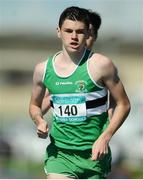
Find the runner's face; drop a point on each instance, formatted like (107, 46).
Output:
(91, 39)
(73, 35)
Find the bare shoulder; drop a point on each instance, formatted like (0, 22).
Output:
(101, 68)
(104, 63)
(40, 66)
(101, 60)
(39, 71)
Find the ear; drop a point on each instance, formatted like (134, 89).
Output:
(88, 34)
(58, 32)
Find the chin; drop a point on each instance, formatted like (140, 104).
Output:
(73, 49)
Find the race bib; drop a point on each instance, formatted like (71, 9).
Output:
(69, 108)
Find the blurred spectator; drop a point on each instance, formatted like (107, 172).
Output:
(5, 156)
(5, 148)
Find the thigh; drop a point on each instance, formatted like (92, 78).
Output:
(58, 176)
(58, 163)
(94, 169)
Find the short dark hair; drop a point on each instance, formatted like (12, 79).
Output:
(95, 20)
(76, 14)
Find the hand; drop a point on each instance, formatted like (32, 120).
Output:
(99, 149)
(42, 130)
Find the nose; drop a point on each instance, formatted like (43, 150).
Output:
(74, 35)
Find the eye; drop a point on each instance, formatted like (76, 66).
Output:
(68, 30)
(80, 31)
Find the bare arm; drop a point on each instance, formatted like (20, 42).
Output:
(38, 92)
(112, 106)
(113, 83)
(46, 103)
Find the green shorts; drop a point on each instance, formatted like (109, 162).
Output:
(75, 164)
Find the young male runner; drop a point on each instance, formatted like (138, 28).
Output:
(77, 81)
(94, 25)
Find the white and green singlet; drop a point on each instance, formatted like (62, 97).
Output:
(79, 106)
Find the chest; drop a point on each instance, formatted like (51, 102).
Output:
(77, 82)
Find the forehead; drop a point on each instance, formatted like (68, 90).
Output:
(70, 24)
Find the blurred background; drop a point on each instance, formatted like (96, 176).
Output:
(28, 36)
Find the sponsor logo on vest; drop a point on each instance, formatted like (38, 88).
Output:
(63, 83)
(81, 86)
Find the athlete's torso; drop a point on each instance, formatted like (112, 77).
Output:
(79, 106)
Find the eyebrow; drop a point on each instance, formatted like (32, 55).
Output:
(80, 29)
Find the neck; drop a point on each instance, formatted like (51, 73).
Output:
(73, 57)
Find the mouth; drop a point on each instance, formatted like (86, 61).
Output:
(74, 44)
